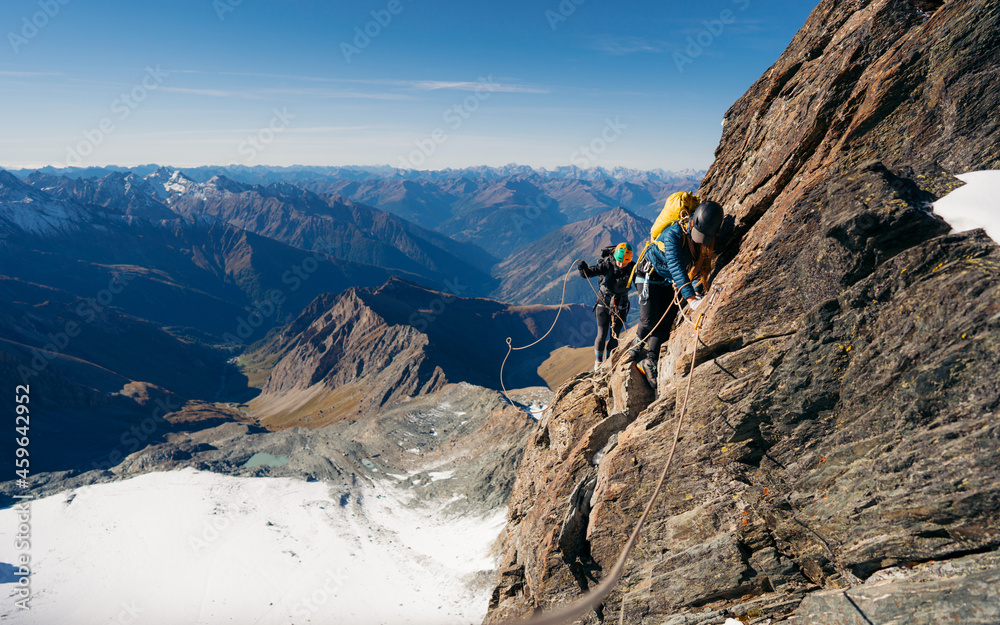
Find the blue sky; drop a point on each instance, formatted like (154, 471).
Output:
(427, 83)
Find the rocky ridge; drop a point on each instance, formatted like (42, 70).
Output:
(350, 355)
(838, 459)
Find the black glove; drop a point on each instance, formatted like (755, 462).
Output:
(582, 268)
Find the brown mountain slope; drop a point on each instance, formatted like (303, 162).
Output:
(334, 226)
(95, 396)
(838, 460)
(350, 355)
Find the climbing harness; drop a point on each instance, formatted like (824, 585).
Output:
(591, 600)
(613, 310)
(682, 311)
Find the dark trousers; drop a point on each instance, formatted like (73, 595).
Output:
(608, 327)
(657, 302)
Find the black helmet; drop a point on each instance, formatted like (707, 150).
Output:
(706, 222)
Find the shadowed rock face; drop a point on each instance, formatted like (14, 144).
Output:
(838, 462)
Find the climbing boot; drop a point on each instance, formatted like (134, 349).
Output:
(648, 368)
(637, 351)
(597, 365)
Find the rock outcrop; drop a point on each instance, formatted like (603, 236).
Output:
(838, 462)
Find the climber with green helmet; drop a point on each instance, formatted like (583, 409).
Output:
(679, 258)
(611, 308)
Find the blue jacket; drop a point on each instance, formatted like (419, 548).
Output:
(670, 256)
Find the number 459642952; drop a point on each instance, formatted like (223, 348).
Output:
(21, 425)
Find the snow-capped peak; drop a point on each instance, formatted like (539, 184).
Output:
(168, 184)
(34, 211)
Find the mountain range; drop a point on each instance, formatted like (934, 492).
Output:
(497, 209)
(125, 290)
(824, 431)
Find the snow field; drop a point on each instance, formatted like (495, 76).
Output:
(198, 547)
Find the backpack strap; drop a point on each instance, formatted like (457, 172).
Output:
(631, 276)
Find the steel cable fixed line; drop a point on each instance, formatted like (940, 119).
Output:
(595, 597)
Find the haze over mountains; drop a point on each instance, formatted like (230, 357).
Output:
(495, 208)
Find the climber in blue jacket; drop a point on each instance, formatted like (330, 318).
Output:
(680, 258)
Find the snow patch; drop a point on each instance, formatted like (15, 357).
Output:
(440, 475)
(974, 205)
(535, 411)
(196, 547)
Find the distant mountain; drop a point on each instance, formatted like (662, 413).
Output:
(344, 229)
(197, 272)
(101, 379)
(502, 213)
(27, 210)
(267, 174)
(126, 192)
(496, 208)
(535, 273)
(350, 355)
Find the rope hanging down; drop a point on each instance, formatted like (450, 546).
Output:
(591, 600)
(511, 348)
(676, 302)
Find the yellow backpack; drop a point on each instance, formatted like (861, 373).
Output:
(678, 205)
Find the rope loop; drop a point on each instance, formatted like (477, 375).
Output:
(510, 346)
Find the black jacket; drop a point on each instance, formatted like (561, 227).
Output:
(614, 282)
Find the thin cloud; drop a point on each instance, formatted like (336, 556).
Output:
(619, 46)
(417, 85)
(214, 93)
(29, 74)
(435, 85)
(242, 131)
(267, 94)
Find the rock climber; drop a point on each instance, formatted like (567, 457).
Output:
(679, 258)
(611, 308)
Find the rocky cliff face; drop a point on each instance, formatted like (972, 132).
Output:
(839, 458)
